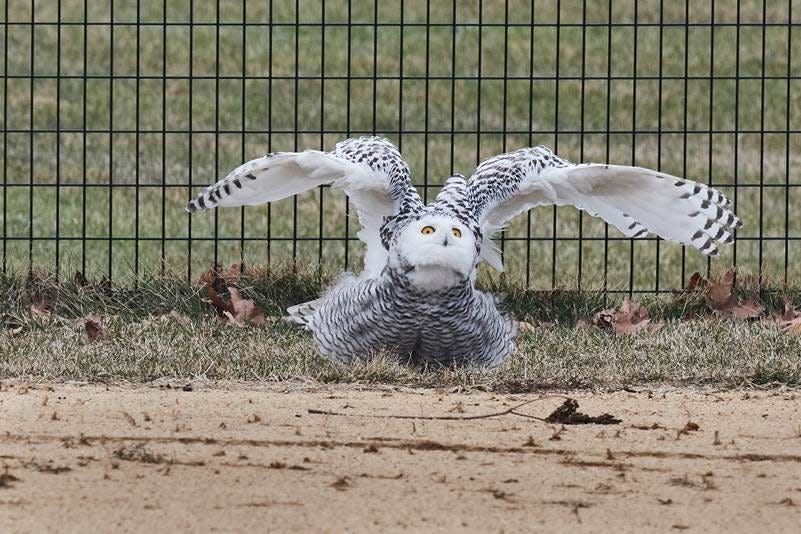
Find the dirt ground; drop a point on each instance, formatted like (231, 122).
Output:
(238, 458)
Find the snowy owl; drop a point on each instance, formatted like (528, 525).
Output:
(417, 294)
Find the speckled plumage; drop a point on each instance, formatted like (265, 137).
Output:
(416, 295)
(459, 324)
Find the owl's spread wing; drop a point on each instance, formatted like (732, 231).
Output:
(370, 170)
(634, 200)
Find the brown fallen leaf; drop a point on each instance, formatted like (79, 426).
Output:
(219, 304)
(747, 309)
(244, 310)
(720, 298)
(696, 281)
(237, 311)
(41, 312)
(788, 321)
(719, 295)
(211, 277)
(630, 318)
(94, 327)
(604, 318)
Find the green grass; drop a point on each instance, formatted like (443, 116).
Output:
(711, 353)
(239, 110)
(141, 347)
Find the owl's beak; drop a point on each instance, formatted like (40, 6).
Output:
(445, 241)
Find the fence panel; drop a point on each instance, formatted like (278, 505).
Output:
(115, 113)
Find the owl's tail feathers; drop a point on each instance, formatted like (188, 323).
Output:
(302, 314)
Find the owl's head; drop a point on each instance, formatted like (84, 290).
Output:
(436, 251)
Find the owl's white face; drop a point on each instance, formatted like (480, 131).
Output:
(441, 249)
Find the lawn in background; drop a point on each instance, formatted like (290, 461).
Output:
(244, 91)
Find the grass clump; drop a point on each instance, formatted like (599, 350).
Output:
(163, 328)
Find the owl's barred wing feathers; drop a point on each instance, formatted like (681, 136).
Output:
(370, 170)
(635, 200)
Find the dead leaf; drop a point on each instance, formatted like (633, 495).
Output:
(604, 318)
(233, 320)
(211, 278)
(747, 310)
(94, 327)
(719, 295)
(790, 319)
(245, 310)
(237, 311)
(630, 318)
(789, 312)
(696, 281)
(219, 304)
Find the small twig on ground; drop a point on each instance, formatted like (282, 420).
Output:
(512, 410)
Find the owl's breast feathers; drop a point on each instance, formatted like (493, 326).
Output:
(461, 324)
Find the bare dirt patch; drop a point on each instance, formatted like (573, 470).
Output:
(241, 457)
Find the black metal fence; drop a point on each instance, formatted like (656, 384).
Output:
(116, 112)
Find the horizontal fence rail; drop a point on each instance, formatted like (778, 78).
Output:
(115, 113)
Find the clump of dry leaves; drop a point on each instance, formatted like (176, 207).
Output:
(629, 318)
(717, 297)
(721, 298)
(236, 311)
(789, 320)
(94, 327)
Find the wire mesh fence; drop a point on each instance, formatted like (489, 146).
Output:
(116, 112)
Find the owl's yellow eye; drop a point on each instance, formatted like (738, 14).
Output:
(457, 232)
(427, 230)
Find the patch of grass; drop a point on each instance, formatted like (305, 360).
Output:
(139, 346)
(274, 290)
(701, 352)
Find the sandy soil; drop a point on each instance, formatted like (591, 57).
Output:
(241, 458)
